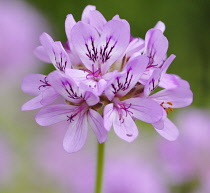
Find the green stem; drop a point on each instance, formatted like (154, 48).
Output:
(99, 171)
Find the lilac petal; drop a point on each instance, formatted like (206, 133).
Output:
(178, 97)
(95, 121)
(156, 46)
(114, 41)
(90, 98)
(160, 25)
(66, 87)
(144, 109)
(33, 84)
(97, 20)
(56, 52)
(169, 81)
(33, 104)
(76, 134)
(170, 131)
(69, 24)
(41, 53)
(125, 127)
(77, 75)
(153, 82)
(109, 116)
(167, 63)
(49, 95)
(84, 39)
(86, 13)
(125, 81)
(54, 113)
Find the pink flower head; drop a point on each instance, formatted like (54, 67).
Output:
(105, 77)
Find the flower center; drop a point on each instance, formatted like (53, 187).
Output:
(167, 106)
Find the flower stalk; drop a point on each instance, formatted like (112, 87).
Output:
(99, 169)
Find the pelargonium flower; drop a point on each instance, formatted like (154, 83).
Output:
(105, 77)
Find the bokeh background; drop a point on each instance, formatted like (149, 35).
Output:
(32, 158)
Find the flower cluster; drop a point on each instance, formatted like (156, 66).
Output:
(106, 79)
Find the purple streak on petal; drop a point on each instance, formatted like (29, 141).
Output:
(32, 104)
(170, 131)
(66, 87)
(56, 52)
(55, 113)
(113, 42)
(126, 80)
(33, 84)
(76, 134)
(156, 46)
(145, 110)
(124, 126)
(95, 121)
(84, 39)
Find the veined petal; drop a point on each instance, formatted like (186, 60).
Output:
(95, 121)
(125, 81)
(125, 127)
(178, 97)
(76, 134)
(86, 13)
(113, 42)
(33, 104)
(69, 24)
(42, 54)
(97, 20)
(84, 39)
(144, 109)
(55, 113)
(49, 95)
(109, 115)
(170, 131)
(66, 87)
(33, 84)
(56, 52)
(156, 46)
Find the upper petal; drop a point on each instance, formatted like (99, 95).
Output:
(96, 122)
(156, 46)
(97, 20)
(56, 52)
(69, 24)
(114, 40)
(86, 12)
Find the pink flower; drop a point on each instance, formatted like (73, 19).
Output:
(102, 69)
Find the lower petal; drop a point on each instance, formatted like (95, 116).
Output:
(95, 121)
(76, 134)
(170, 131)
(125, 128)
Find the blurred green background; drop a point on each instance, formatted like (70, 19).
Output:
(187, 29)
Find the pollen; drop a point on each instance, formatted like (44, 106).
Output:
(166, 107)
(170, 103)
